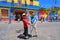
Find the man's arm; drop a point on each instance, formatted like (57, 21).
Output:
(26, 21)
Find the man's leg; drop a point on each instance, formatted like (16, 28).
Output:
(25, 31)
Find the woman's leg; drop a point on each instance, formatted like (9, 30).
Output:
(34, 28)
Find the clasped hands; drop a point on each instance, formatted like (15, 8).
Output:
(32, 24)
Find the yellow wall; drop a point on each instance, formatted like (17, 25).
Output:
(36, 3)
(15, 1)
(58, 11)
(28, 2)
(9, 0)
(23, 1)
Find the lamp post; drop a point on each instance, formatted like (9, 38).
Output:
(25, 6)
(54, 3)
(10, 15)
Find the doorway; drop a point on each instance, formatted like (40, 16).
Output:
(4, 13)
(18, 15)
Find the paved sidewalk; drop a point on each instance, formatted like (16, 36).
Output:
(46, 31)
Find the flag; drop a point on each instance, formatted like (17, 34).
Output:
(19, 2)
(31, 2)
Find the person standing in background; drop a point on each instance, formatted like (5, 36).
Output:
(0, 17)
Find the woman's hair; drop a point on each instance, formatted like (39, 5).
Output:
(31, 12)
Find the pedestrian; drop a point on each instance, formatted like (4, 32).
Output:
(25, 23)
(33, 20)
(16, 17)
(0, 17)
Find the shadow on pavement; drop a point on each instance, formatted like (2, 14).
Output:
(22, 37)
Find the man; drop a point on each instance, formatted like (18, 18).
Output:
(25, 23)
(33, 19)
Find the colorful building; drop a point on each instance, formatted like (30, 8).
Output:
(58, 12)
(8, 7)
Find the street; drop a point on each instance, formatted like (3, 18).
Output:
(46, 31)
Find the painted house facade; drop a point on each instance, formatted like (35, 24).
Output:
(8, 7)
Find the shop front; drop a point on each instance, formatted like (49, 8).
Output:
(4, 14)
(14, 9)
(18, 14)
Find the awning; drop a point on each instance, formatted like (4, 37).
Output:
(19, 11)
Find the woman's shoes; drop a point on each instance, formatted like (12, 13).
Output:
(34, 35)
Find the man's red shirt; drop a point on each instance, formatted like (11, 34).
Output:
(25, 22)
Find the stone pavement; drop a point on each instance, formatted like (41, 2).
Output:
(46, 31)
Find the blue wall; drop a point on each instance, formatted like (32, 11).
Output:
(5, 3)
(2, 3)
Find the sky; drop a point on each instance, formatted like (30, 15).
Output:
(49, 3)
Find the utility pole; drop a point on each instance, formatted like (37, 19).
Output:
(12, 4)
(25, 6)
